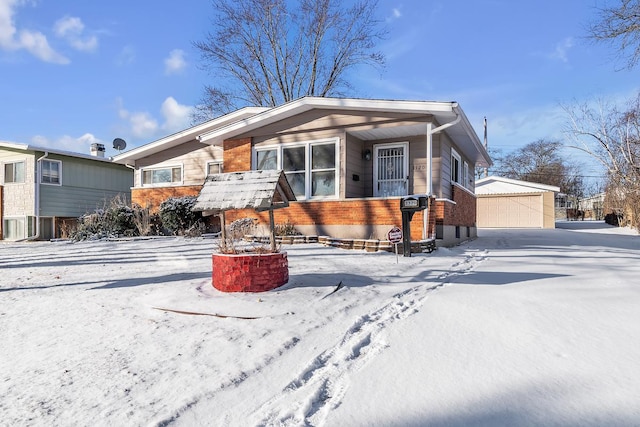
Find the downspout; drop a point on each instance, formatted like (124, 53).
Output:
(37, 200)
(430, 132)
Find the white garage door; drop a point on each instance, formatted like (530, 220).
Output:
(517, 211)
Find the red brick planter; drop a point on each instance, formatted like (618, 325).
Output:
(249, 272)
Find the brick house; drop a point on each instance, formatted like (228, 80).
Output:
(349, 162)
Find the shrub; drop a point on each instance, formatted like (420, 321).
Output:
(178, 218)
(115, 219)
(286, 229)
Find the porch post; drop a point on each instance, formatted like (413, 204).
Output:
(425, 215)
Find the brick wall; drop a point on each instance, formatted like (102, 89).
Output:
(462, 212)
(340, 212)
(152, 197)
(237, 155)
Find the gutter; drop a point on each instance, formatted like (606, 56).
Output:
(430, 132)
(36, 200)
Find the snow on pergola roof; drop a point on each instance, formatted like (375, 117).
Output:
(260, 190)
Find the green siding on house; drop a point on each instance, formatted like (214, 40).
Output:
(86, 185)
(69, 201)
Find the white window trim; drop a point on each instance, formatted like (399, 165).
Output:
(307, 145)
(212, 162)
(162, 184)
(25, 226)
(376, 149)
(59, 183)
(13, 162)
(465, 175)
(455, 155)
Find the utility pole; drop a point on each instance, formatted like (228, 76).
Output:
(486, 147)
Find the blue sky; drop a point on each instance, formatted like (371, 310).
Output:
(77, 72)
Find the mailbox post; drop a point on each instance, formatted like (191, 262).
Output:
(408, 206)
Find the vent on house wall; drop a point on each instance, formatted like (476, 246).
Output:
(97, 150)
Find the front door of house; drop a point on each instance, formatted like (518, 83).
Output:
(391, 170)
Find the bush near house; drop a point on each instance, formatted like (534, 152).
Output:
(119, 219)
(178, 218)
(115, 219)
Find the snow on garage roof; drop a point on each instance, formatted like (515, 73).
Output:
(260, 190)
(500, 185)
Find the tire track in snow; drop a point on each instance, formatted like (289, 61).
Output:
(322, 384)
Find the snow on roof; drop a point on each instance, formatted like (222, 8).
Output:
(259, 190)
(501, 185)
(29, 147)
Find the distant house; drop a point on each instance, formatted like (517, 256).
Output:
(40, 188)
(593, 207)
(510, 203)
(349, 162)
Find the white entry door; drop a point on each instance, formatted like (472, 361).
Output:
(391, 170)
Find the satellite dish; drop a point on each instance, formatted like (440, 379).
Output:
(119, 144)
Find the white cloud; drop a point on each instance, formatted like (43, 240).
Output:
(68, 26)
(176, 116)
(71, 28)
(81, 144)
(175, 63)
(33, 42)
(36, 43)
(396, 13)
(7, 28)
(141, 124)
(127, 56)
(562, 49)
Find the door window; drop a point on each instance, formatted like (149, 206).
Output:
(391, 175)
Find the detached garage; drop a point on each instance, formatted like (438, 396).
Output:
(509, 203)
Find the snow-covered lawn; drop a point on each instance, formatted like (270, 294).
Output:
(518, 327)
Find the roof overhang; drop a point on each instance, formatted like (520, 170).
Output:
(501, 185)
(28, 147)
(186, 135)
(462, 133)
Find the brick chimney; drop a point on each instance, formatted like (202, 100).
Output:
(97, 150)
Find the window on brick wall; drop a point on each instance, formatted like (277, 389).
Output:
(162, 176)
(14, 172)
(311, 167)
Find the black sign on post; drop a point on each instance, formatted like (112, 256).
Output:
(408, 206)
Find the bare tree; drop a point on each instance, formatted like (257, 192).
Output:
(620, 26)
(611, 135)
(542, 162)
(267, 52)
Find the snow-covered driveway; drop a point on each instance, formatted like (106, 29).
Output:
(519, 327)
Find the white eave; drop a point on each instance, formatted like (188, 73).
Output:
(28, 147)
(192, 133)
(462, 133)
(501, 185)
